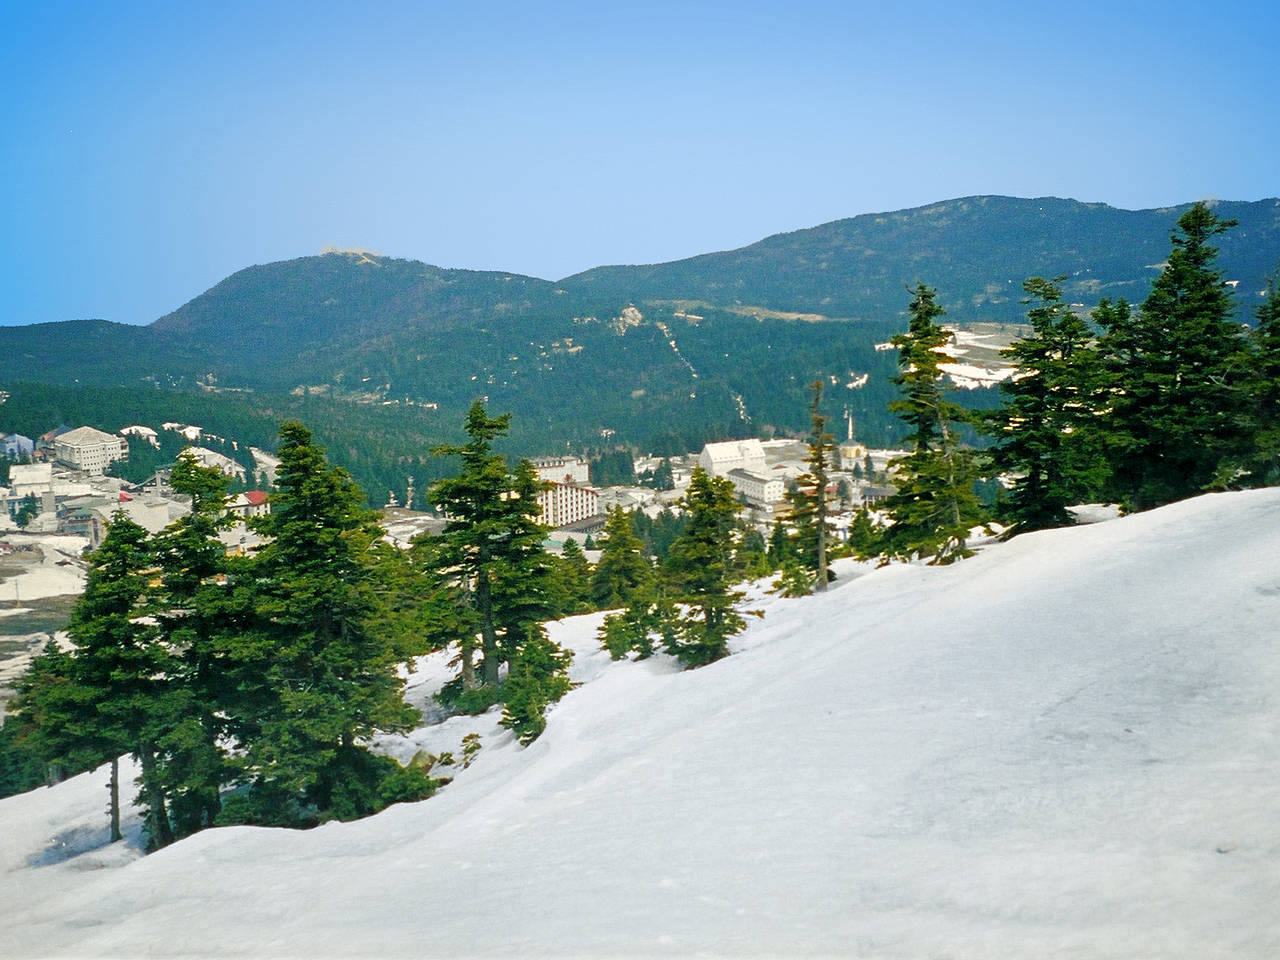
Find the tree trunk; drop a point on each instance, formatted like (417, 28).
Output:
(821, 583)
(468, 667)
(488, 633)
(157, 815)
(115, 800)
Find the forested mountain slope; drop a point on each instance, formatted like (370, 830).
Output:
(976, 251)
(663, 356)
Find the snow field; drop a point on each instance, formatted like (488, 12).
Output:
(1067, 746)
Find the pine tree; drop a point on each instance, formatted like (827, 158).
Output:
(622, 570)
(648, 617)
(781, 548)
(28, 510)
(934, 504)
(22, 766)
(864, 535)
(402, 597)
(117, 678)
(56, 721)
(524, 599)
(753, 554)
(809, 497)
(1177, 423)
(539, 677)
(319, 680)
(194, 619)
(493, 546)
(482, 514)
(575, 576)
(449, 618)
(1264, 389)
(1044, 433)
(702, 568)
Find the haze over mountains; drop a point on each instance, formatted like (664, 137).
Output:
(719, 344)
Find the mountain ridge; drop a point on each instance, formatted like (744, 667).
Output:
(707, 347)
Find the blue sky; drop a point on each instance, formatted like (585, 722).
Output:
(150, 149)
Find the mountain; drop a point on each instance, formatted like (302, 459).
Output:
(975, 251)
(663, 356)
(1066, 746)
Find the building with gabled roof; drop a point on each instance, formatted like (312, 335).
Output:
(251, 503)
(718, 459)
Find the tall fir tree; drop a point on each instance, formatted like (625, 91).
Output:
(194, 620)
(1177, 422)
(809, 496)
(1044, 433)
(321, 680)
(481, 516)
(525, 598)
(1264, 388)
(493, 545)
(702, 568)
(575, 577)
(623, 570)
(934, 504)
(118, 672)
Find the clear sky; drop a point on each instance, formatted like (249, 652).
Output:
(148, 150)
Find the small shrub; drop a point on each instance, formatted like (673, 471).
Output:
(470, 748)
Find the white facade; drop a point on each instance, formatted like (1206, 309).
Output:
(33, 479)
(152, 514)
(88, 449)
(562, 470)
(251, 504)
(759, 490)
(720, 458)
(146, 433)
(566, 503)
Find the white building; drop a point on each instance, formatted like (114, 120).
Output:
(566, 503)
(562, 469)
(220, 462)
(252, 503)
(153, 514)
(34, 479)
(191, 433)
(758, 489)
(146, 433)
(88, 449)
(718, 459)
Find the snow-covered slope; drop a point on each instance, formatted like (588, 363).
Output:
(1066, 746)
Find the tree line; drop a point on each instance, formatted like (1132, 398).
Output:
(1134, 406)
(247, 687)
